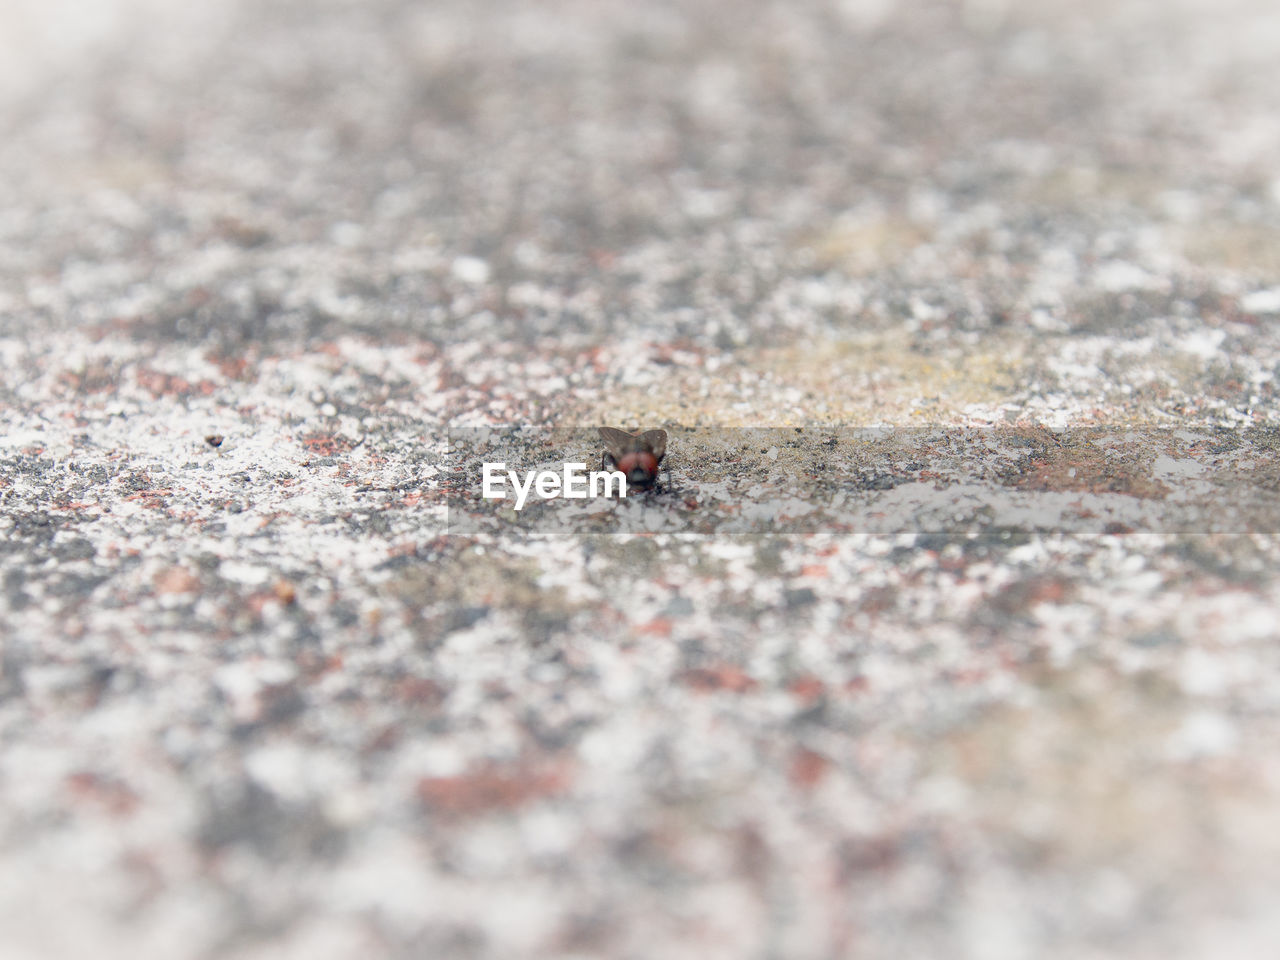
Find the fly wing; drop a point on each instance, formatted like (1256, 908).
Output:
(617, 441)
(655, 440)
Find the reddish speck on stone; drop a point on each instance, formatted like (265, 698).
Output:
(661, 626)
(867, 855)
(1051, 591)
(164, 384)
(807, 688)
(488, 790)
(233, 368)
(878, 599)
(111, 795)
(384, 739)
(325, 444)
(314, 666)
(418, 690)
(150, 498)
(176, 580)
(807, 768)
(814, 570)
(722, 677)
(1019, 596)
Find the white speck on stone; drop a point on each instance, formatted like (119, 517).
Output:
(865, 14)
(1203, 674)
(1261, 301)
(1203, 343)
(1204, 733)
(346, 233)
(706, 204)
(1111, 895)
(1044, 320)
(278, 767)
(547, 833)
(241, 682)
(1167, 468)
(249, 574)
(817, 293)
(387, 875)
(941, 794)
(296, 773)
(471, 270)
(1182, 206)
(1117, 276)
(487, 850)
(432, 760)
(925, 312)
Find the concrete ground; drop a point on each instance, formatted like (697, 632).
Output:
(954, 636)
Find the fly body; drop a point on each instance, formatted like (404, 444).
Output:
(635, 454)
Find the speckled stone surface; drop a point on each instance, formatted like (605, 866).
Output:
(261, 697)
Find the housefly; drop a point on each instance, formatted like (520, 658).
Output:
(635, 454)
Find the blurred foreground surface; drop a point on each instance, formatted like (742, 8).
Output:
(254, 702)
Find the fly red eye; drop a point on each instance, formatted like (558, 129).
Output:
(645, 464)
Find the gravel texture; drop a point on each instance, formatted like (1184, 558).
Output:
(952, 635)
